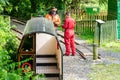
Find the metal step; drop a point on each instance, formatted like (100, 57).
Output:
(46, 60)
(48, 71)
(46, 56)
(47, 65)
(50, 78)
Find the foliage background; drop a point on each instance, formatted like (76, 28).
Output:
(23, 9)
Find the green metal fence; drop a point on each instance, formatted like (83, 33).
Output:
(118, 19)
(109, 31)
(105, 32)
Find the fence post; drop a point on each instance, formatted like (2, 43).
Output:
(97, 38)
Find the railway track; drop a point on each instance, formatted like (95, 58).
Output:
(19, 34)
(81, 50)
(78, 51)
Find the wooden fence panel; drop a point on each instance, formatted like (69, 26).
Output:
(82, 15)
(85, 26)
(109, 31)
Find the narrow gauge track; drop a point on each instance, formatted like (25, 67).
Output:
(17, 30)
(78, 51)
(19, 36)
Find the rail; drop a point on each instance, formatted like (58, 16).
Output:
(19, 34)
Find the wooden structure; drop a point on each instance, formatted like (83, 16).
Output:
(41, 47)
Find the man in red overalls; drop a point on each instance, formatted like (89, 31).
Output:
(54, 17)
(69, 35)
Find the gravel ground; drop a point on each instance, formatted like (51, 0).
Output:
(76, 68)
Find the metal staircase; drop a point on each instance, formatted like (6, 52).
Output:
(47, 65)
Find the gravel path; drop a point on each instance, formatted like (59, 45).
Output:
(109, 57)
(76, 68)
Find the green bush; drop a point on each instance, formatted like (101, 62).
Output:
(8, 54)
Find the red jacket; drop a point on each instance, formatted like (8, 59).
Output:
(69, 35)
(69, 25)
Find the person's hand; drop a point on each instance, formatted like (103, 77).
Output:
(55, 23)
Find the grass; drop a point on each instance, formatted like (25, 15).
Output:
(105, 72)
(111, 46)
(88, 37)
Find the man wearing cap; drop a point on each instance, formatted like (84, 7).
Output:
(52, 15)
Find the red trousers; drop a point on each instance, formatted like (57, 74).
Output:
(69, 39)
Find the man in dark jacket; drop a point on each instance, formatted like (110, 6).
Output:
(69, 35)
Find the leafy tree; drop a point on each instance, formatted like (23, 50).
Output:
(81, 4)
(24, 8)
(4, 5)
(112, 9)
(103, 2)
